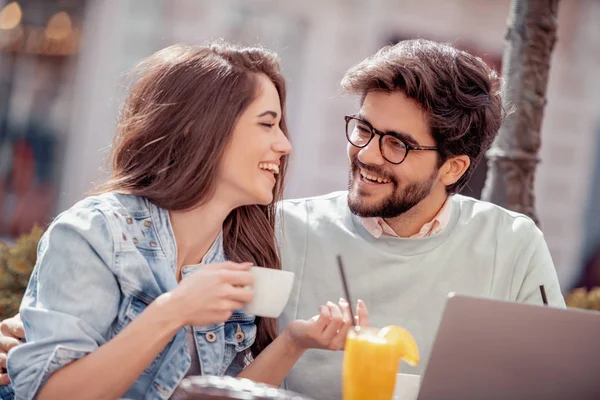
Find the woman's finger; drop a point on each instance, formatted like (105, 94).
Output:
(345, 307)
(339, 340)
(238, 278)
(15, 325)
(4, 380)
(322, 320)
(231, 305)
(362, 314)
(240, 294)
(12, 327)
(7, 343)
(337, 322)
(229, 265)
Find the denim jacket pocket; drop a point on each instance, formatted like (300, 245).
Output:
(211, 346)
(240, 334)
(240, 331)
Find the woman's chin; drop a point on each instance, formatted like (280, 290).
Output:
(265, 201)
(261, 198)
(264, 198)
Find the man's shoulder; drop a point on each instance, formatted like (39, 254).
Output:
(474, 211)
(313, 212)
(317, 204)
(324, 198)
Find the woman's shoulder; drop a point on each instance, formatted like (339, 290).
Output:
(100, 214)
(84, 231)
(109, 205)
(111, 202)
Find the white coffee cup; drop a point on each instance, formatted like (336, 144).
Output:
(407, 387)
(272, 288)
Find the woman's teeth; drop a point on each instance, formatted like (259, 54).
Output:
(374, 178)
(269, 167)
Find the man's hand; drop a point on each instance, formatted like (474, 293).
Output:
(11, 333)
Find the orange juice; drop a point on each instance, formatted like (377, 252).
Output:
(370, 366)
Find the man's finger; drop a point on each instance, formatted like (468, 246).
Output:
(2, 362)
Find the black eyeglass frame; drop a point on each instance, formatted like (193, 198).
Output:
(381, 134)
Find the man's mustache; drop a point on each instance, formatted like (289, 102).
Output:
(356, 164)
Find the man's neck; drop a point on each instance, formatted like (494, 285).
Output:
(411, 222)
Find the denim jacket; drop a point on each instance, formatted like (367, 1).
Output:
(100, 264)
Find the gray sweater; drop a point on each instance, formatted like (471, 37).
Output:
(484, 251)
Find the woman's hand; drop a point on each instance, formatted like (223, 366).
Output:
(324, 331)
(329, 329)
(211, 294)
(11, 333)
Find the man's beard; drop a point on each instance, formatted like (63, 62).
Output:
(393, 205)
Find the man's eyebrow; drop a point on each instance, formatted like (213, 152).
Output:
(407, 137)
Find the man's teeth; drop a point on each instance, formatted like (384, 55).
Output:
(269, 167)
(374, 178)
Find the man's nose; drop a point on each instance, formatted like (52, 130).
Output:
(371, 154)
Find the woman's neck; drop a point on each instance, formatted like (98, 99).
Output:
(196, 230)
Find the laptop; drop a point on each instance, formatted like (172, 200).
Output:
(490, 349)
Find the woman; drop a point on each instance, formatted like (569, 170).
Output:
(121, 303)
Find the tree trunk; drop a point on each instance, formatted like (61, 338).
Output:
(513, 157)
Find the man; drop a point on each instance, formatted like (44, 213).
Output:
(428, 114)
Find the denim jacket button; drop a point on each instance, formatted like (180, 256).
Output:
(239, 334)
(147, 224)
(211, 337)
(239, 337)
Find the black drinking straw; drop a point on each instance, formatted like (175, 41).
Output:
(345, 283)
(544, 298)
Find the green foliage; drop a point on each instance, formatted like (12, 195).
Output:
(16, 264)
(582, 298)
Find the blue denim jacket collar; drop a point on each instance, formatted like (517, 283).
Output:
(164, 232)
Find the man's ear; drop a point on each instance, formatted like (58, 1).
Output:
(453, 169)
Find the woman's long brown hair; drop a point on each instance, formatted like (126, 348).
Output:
(173, 130)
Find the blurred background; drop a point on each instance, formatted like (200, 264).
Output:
(62, 66)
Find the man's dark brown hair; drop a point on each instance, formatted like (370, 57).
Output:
(458, 91)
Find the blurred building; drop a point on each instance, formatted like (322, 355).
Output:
(39, 44)
(317, 42)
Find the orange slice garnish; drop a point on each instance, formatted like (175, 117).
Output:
(404, 344)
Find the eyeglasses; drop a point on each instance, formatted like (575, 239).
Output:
(393, 148)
